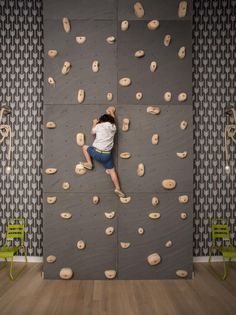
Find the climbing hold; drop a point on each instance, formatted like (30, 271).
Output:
(182, 155)
(109, 230)
(139, 96)
(51, 259)
(80, 139)
(167, 96)
(183, 199)
(124, 245)
(139, 54)
(183, 125)
(167, 40)
(80, 39)
(125, 81)
(109, 96)
(125, 125)
(168, 244)
(153, 66)
(81, 96)
(182, 97)
(51, 81)
(181, 273)
(66, 67)
(111, 39)
(96, 200)
(110, 274)
(154, 215)
(140, 169)
(66, 215)
(109, 215)
(52, 53)
(124, 25)
(182, 10)
(66, 185)
(183, 215)
(66, 24)
(182, 52)
(155, 138)
(169, 183)
(80, 169)
(66, 273)
(138, 10)
(125, 199)
(51, 171)
(125, 155)
(95, 66)
(81, 244)
(155, 110)
(140, 231)
(154, 259)
(155, 201)
(51, 125)
(111, 110)
(153, 25)
(51, 199)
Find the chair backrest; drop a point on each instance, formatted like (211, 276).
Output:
(15, 230)
(220, 231)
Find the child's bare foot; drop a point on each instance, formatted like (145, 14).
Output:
(107, 171)
(87, 165)
(119, 193)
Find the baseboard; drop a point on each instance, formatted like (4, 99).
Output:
(31, 259)
(204, 259)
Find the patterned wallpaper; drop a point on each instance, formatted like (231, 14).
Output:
(21, 83)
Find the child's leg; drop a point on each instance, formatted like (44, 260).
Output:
(88, 164)
(114, 177)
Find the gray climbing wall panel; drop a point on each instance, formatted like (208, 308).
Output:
(88, 222)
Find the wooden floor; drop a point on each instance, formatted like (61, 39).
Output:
(31, 295)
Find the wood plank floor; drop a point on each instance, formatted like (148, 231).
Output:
(31, 295)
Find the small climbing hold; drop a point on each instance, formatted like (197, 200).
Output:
(155, 201)
(140, 169)
(167, 40)
(125, 81)
(154, 259)
(169, 183)
(66, 67)
(182, 52)
(109, 230)
(66, 273)
(51, 171)
(52, 53)
(139, 54)
(111, 40)
(124, 245)
(51, 259)
(124, 25)
(109, 96)
(153, 25)
(111, 110)
(110, 215)
(138, 9)
(167, 96)
(125, 155)
(66, 215)
(125, 199)
(80, 39)
(66, 24)
(51, 81)
(96, 200)
(140, 231)
(81, 96)
(125, 125)
(95, 66)
(181, 273)
(182, 97)
(80, 139)
(80, 169)
(154, 215)
(66, 185)
(183, 125)
(153, 66)
(139, 96)
(183, 199)
(182, 10)
(110, 274)
(155, 138)
(183, 215)
(51, 125)
(155, 110)
(182, 155)
(51, 199)
(168, 244)
(81, 244)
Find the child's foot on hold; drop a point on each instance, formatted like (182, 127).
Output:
(119, 193)
(87, 165)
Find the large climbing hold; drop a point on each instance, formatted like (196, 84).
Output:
(183, 199)
(52, 53)
(51, 259)
(95, 66)
(81, 244)
(138, 9)
(51, 125)
(80, 139)
(66, 273)
(66, 67)
(66, 215)
(154, 215)
(125, 82)
(125, 245)
(66, 24)
(181, 273)
(51, 199)
(167, 96)
(182, 52)
(182, 155)
(183, 125)
(125, 125)
(167, 40)
(182, 10)
(124, 25)
(125, 199)
(139, 54)
(49, 171)
(155, 138)
(182, 97)
(95, 200)
(139, 96)
(154, 110)
(80, 39)
(110, 274)
(153, 66)
(81, 96)
(51, 81)
(169, 184)
(109, 230)
(153, 25)
(155, 201)
(140, 169)
(154, 259)
(111, 40)
(110, 215)
(80, 169)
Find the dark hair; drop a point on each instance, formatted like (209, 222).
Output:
(106, 118)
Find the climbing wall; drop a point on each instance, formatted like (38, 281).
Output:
(143, 54)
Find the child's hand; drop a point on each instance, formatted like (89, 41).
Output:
(95, 121)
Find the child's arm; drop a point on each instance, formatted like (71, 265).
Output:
(95, 121)
(111, 111)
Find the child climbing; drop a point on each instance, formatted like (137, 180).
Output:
(104, 129)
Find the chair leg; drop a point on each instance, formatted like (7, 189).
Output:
(11, 269)
(4, 264)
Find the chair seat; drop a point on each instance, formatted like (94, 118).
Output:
(228, 252)
(6, 251)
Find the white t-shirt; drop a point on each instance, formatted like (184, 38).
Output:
(105, 133)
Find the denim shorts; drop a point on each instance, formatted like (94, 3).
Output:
(105, 159)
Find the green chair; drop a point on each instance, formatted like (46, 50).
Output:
(15, 233)
(221, 235)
